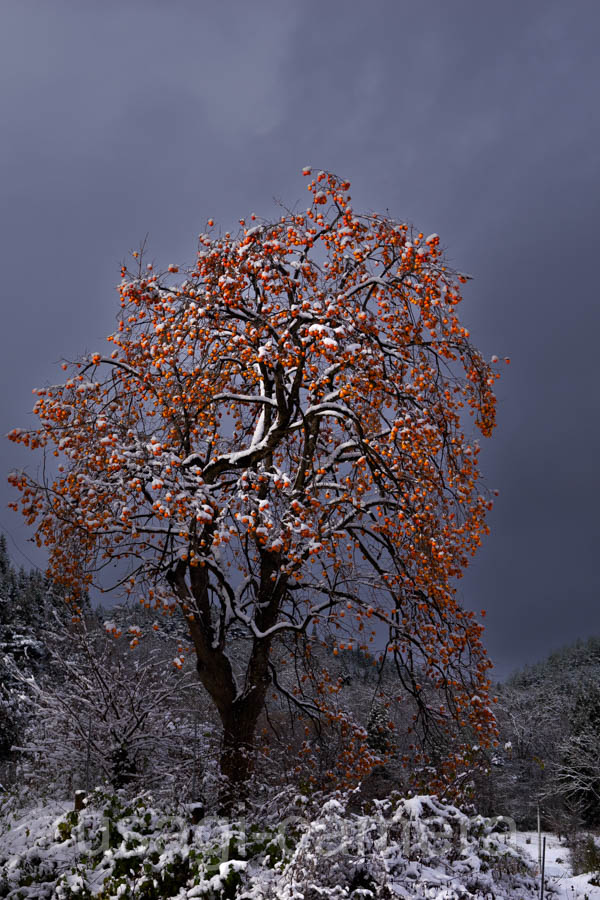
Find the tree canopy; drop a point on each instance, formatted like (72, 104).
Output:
(277, 446)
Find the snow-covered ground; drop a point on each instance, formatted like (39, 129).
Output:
(557, 866)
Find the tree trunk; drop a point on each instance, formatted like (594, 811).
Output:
(237, 753)
(239, 710)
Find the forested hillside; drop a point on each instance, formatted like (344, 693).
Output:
(30, 608)
(549, 718)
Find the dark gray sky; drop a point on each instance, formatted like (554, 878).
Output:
(479, 121)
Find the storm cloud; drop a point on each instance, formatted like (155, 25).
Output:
(477, 121)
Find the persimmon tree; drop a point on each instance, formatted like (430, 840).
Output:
(277, 447)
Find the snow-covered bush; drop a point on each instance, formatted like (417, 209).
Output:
(418, 847)
(585, 856)
(114, 715)
(132, 849)
(136, 849)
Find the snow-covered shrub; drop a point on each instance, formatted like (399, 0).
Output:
(115, 715)
(134, 849)
(408, 849)
(585, 855)
(137, 849)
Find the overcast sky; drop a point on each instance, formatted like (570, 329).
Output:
(479, 121)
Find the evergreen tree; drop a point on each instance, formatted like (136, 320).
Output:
(379, 733)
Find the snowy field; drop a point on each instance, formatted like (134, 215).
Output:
(557, 868)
